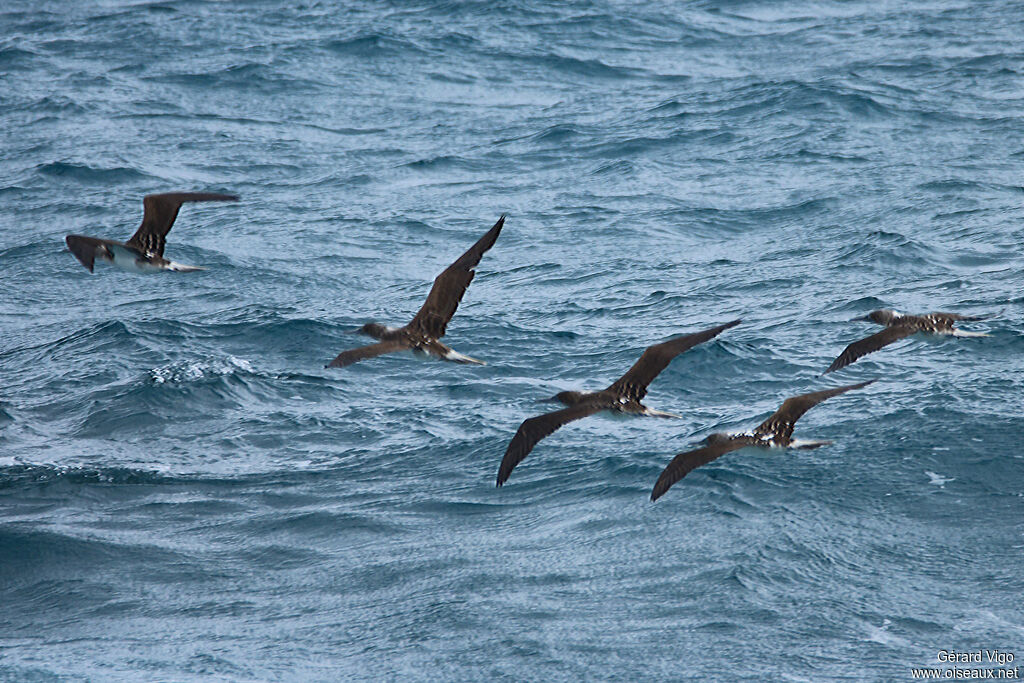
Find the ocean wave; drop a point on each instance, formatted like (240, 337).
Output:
(96, 338)
(16, 58)
(371, 45)
(785, 98)
(92, 175)
(26, 475)
(590, 68)
(263, 78)
(445, 162)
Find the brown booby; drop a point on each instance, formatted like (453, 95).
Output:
(775, 432)
(623, 396)
(899, 326)
(421, 334)
(144, 252)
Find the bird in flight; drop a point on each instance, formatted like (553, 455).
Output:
(421, 334)
(899, 326)
(623, 396)
(144, 251)
(775, 432)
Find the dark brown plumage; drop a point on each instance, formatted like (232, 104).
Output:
(900, 326)
(624, 396)
(657, 357)
(146, 246)
(86, 248)
(863, 347)
(776, 431)
(431, 321)
(534, 429)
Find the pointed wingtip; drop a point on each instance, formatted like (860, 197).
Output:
(503, 475)
(981, 316)
(81, 250)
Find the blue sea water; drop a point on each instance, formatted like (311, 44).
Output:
(187, 494)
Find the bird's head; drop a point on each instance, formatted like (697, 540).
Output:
(882, 316)
(375, 330)
(716, 438)
(569, 398)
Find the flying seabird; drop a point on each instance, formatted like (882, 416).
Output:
(144, 252)
(623, 396)
(775, 432)
(421, 334)
(898, 326)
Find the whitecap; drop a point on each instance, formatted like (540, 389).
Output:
(191, 371)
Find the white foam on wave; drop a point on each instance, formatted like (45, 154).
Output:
(938, 479)
(882, 635)
(191, 371)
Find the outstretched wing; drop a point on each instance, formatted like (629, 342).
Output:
(684, 463)
(536, 428)
(950, 318)
(871, 344)
(780, 424)
(363, 352)
(85, 248)
(449, 287)
(657, 357)
(159, 212)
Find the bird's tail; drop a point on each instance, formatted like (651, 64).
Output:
(807, 444)
(651, 412)
(182, 268)
(456, 357)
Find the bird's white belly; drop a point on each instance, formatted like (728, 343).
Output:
(126, 259)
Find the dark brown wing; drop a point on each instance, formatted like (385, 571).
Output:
(536, 428)
(871, 344)
(657, 357)
(780, 424)
(449, 287)
(159, 212)
(85, 248)
(684, 463)
(363, 352)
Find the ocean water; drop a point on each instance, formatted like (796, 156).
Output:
(187, 494)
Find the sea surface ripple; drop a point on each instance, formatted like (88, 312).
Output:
(187, 494)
